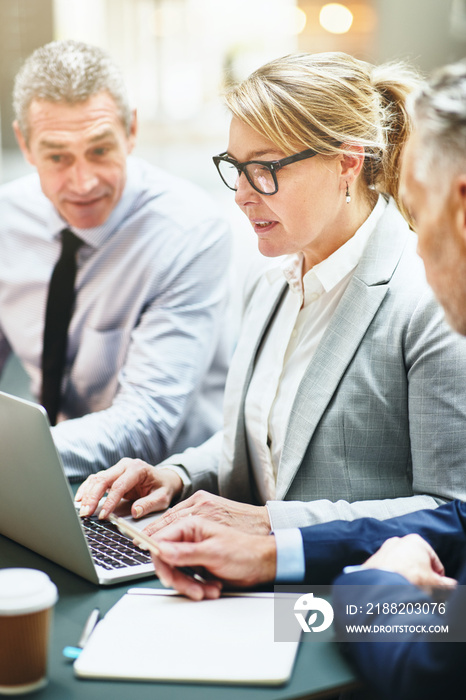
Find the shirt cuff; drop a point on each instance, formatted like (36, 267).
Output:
(291, 566)
(352, 569)
(360, 567)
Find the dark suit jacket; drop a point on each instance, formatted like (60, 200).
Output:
(328, 547)
(403, 669)
(399, 670)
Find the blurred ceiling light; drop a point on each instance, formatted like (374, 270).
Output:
(300, 20)
(336, 18)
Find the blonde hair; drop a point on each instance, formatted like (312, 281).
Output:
(328, 101)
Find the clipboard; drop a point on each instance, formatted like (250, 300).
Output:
(157, 635)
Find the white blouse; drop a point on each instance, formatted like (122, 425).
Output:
(290, 344)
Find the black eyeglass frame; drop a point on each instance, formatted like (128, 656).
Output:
(272, 165)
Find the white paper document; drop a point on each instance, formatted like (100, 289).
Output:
(151, 634)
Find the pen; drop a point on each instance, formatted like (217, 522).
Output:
(73, 652)
(145, 542)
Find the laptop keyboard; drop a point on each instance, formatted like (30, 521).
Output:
(111, 549)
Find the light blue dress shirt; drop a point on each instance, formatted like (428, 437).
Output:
(291, 565)
(147, 350)
(291, 562)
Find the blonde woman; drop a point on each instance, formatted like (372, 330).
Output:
(341, 398)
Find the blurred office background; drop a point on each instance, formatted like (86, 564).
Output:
(178, 55)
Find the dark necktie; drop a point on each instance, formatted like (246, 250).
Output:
(57, 319)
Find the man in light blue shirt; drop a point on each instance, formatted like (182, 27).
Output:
(146, 355)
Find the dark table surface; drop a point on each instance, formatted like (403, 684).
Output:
(320, 670)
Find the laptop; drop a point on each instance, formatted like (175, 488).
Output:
(37, 508)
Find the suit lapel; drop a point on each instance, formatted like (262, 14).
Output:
(345, 332)
(235, 478)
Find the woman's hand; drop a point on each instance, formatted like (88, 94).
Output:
(253, 519)
(150, 488)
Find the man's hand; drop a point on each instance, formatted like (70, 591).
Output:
(253, 519)
(412, 557)
(233, 557)
(150, 488)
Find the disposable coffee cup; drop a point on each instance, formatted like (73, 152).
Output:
(27, 597)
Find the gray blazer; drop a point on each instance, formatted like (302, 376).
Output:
(377, 425)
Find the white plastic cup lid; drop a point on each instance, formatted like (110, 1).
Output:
(24, 591)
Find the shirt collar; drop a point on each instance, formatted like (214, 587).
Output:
(333, 269)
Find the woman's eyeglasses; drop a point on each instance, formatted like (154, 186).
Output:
(261, 174)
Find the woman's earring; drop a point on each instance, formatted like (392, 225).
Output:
(347, 194)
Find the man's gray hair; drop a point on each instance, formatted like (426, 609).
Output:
(439, 110)
(70, 72)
